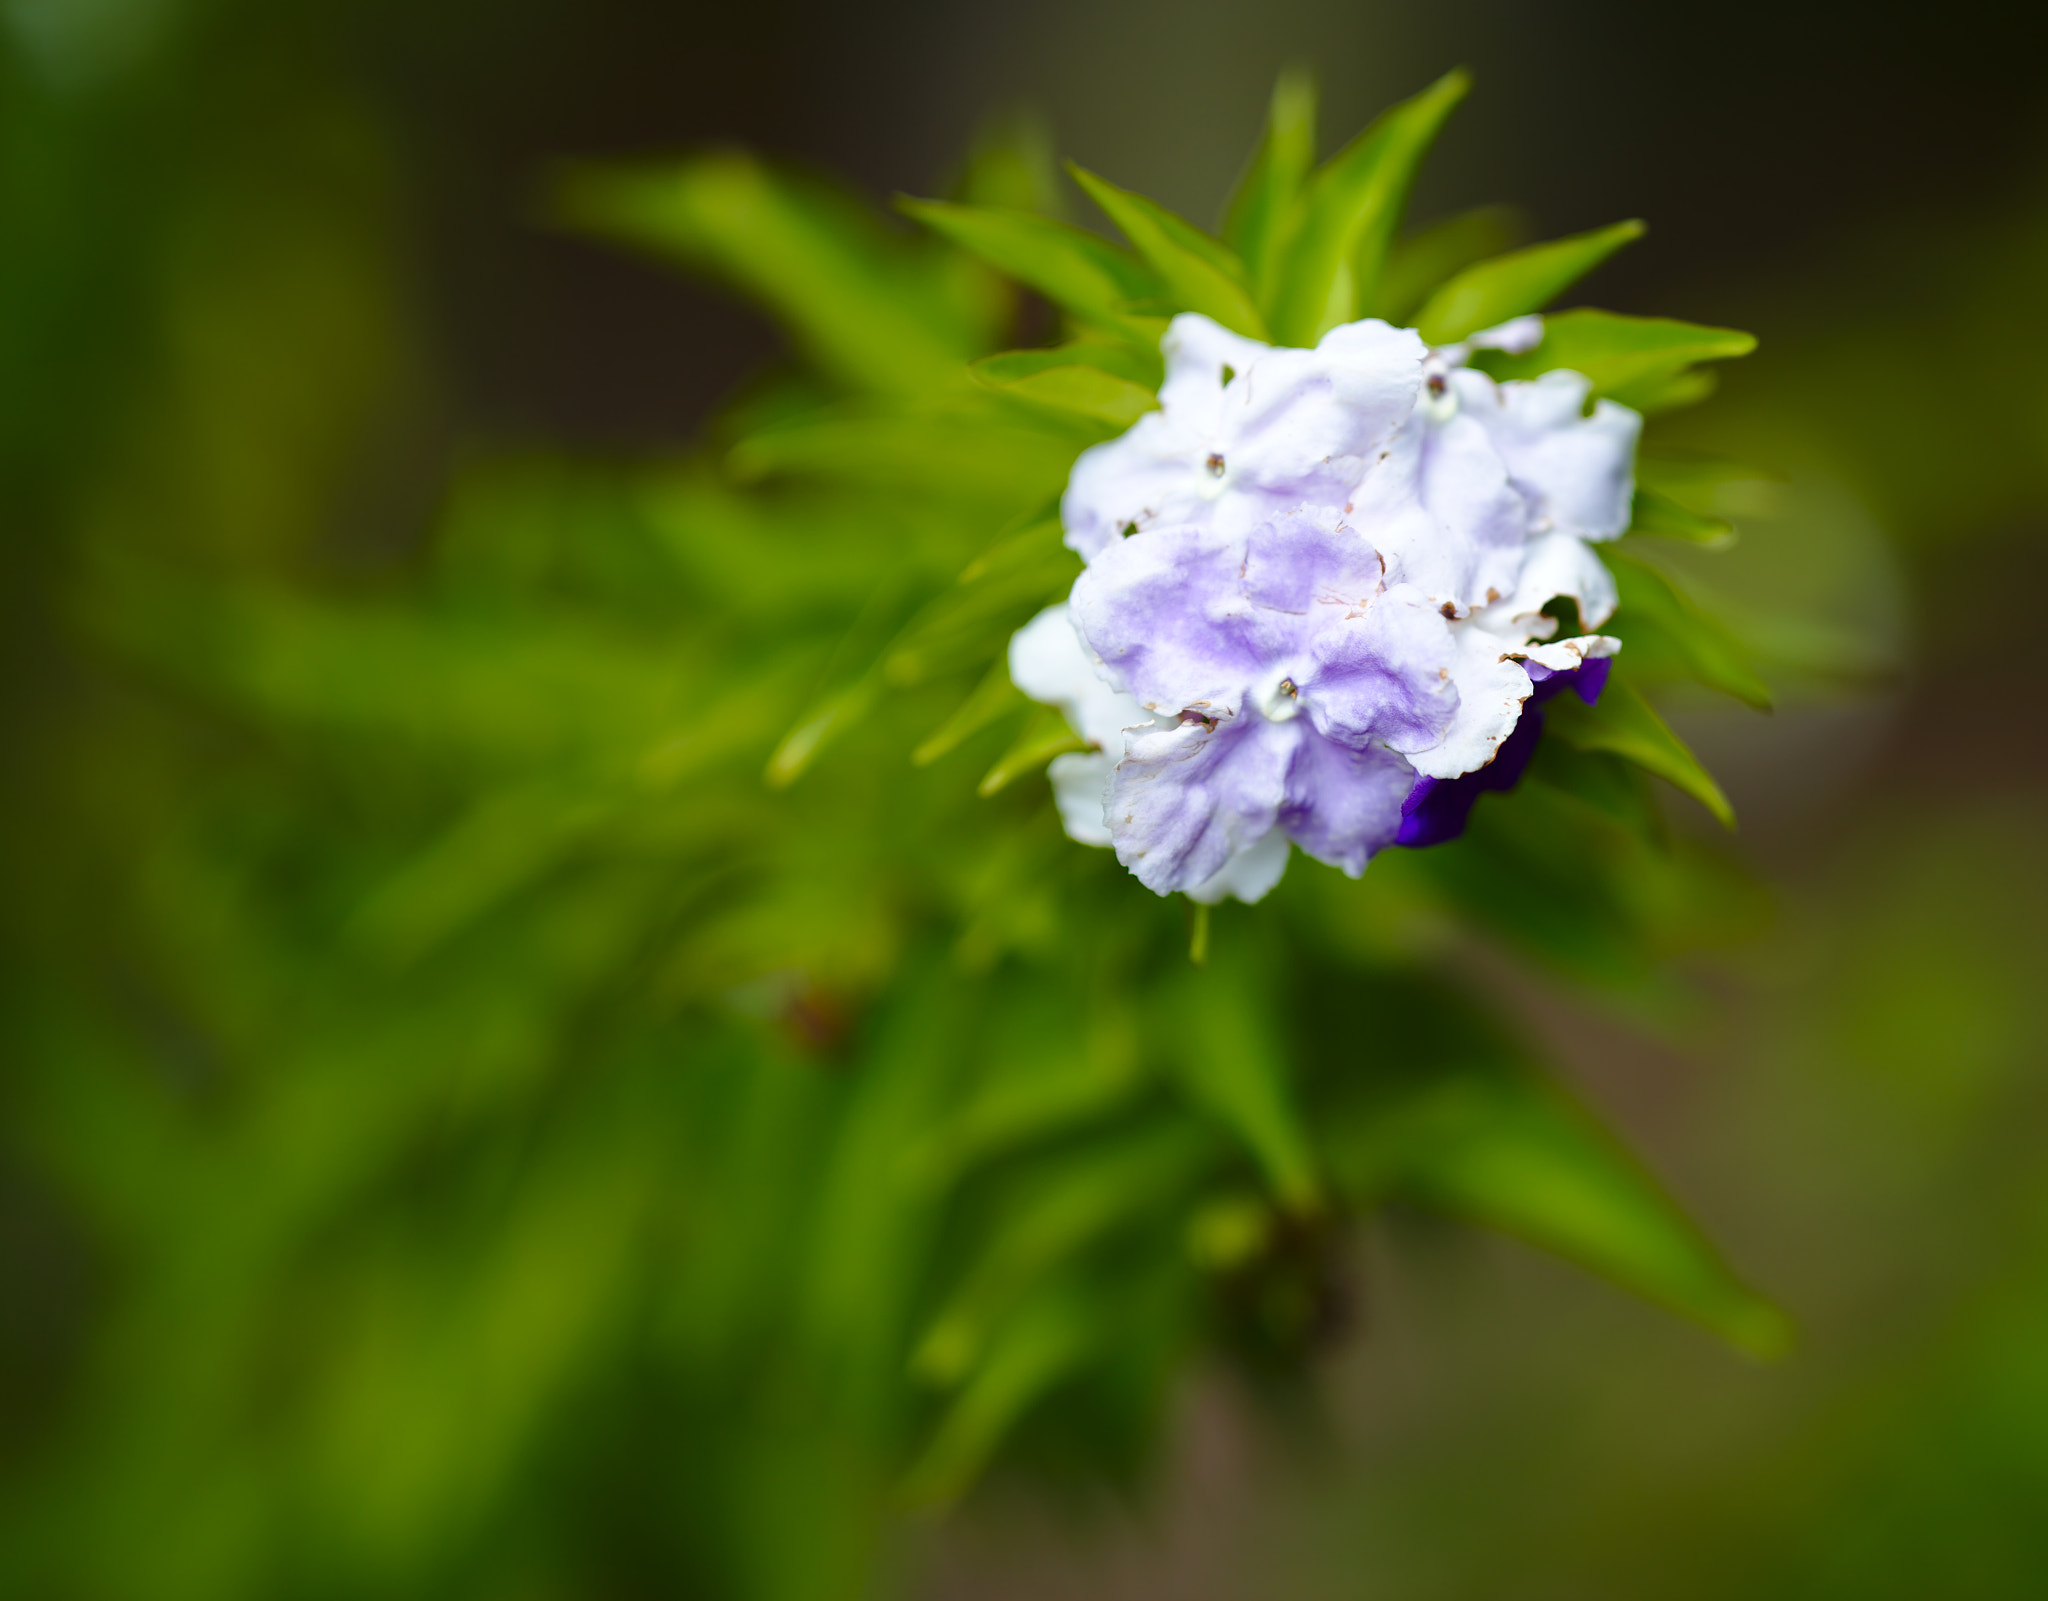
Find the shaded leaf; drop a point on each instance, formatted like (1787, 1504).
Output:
(1036, 1349)
(1656, 513)
(1626, 725)
(1663, 628)
(1050, 1218)
(847, 291)
(1513, 1152)
(1226, 1051)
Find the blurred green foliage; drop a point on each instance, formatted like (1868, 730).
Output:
(577, 1059)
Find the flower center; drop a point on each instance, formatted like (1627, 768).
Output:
(1278, 700)
(1439, 399)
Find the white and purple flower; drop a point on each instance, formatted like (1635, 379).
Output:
(1313, 610)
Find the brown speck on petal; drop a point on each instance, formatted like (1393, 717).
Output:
(1449, 611)
(1492, 595)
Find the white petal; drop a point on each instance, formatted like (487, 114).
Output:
(1051, 665)
(1197, 353)
(1491, 687)
(1562, 656)
(1515, 336)
(1080, 789)
(1248, 875)
(1557, 564)
(1154, 474)
(1578, 472)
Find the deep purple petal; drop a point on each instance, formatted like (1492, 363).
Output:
(1437, 809)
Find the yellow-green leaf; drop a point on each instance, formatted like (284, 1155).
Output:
(1070, 378)
(1045, 736)
(1261, 210)
(1492, 291)
(1200, 273)
(1347, 217)
(1074, 269)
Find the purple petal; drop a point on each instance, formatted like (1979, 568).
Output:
(1167, 614)
(1185, 800)
(1343, 805)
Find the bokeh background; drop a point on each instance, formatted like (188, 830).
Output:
(272, 275)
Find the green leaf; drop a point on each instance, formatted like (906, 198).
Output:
(1036, 1349)
(1077, 378)
(991, 700)
(1490, 292)
(1060, 1209)
(1697, 479)
(1226, 1050)
(1656, 513)
(1664, 628)
(1075, 270)
(824, 722)
(1617, 790)
(1008, 457)
(975, 617)
(1661, 392)
(1346, 219)
(1045, 736)
(1012, 166)
(1626, 725)
(1201, 274)
(857, 301)
(1511, 1151)
(1420, 263)
(1261, 210)
(1623, 356)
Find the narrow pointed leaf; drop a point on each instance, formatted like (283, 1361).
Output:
(1349, 213)
(1667, 391)
(1035, 1350)
(1617, 352)
(1511, 1151)
(1045, 736)
(1226, 1051)
(1261, 211)
(1201, 274)
(1492, 291)
(1423, 262)
(1071, 379)
(825, 721)
(1075, 270)
(1627, 726)
(1655, 513)
(845, 288)
(1662, 626)
(992, 699)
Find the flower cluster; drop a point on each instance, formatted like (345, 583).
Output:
(1314, 605)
